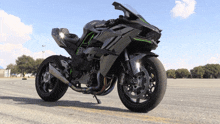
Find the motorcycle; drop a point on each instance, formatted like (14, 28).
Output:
(109, 53)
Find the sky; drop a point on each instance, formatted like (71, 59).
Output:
(190, 36)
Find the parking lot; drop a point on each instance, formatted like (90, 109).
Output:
(186, 101)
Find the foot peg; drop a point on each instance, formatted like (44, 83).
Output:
(98, 101)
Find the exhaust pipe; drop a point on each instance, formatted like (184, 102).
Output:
(59, 76)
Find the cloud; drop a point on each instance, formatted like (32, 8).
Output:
(214, 60)
(10, 52)
(183, 8)
(191, 62)
(12, 30)
(43, 54)
(179, 63)
(13, 34)
(1, 60)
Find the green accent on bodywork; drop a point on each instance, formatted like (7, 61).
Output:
(142, 40)
(84, 41)
(91, 39)
(71, 71)
(143, 20)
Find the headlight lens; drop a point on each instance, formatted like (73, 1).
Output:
(62, 35)
(149, 34)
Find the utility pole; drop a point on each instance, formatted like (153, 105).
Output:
(43, 51)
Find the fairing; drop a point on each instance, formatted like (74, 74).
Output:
(108, 42)
(107, 61)
(134, 16)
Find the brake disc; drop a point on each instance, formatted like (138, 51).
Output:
(140, 86)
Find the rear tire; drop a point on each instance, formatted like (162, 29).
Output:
(156, 92)
(48, 87)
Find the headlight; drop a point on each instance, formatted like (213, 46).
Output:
(62, 35)
(149, 34)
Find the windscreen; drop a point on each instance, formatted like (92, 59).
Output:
(129, 12)
(131, 9)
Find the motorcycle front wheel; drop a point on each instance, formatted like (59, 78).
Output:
(145, 91)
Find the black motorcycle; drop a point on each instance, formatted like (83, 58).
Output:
(117, 50)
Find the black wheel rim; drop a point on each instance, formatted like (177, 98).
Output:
(46, 81)
(140, 96)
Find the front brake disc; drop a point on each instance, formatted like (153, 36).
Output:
(138, 91)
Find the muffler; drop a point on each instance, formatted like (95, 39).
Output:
(59, 76)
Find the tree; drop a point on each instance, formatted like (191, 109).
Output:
(197, 72)
(182, 73)
(25, 64)
(13, 67)
(37, 63)
(211, 70)
(171, 73)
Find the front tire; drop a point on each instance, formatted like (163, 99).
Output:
(154, 89)
(48, 87)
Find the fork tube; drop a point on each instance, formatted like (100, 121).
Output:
(127, 60)
(126, 55)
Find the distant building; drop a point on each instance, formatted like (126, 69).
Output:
(5, 73)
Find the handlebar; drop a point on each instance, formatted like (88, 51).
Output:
(112, 22)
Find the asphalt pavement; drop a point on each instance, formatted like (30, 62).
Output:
(195, 101)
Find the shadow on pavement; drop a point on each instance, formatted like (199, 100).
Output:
(63, 103)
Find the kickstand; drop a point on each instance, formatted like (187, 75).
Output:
(98, 101)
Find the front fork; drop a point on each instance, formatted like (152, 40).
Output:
(131, 69)
(136, 76)
(132, 64)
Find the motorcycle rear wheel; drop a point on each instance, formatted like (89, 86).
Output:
(149, 94)
(48, 87)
